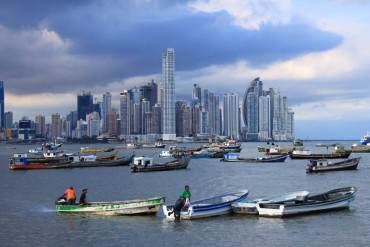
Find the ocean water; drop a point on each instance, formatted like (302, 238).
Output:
(27, 216)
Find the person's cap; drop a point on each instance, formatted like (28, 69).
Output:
(84, 189)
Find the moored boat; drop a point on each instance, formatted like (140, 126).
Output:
(145, 164)
(232, 157)
(128, 207)
(71, 162)
(309, 155)
(360, 148)
(332, 200)
(96, 150)
(155, 145)
(250, 206)
(325, 166)
(214, 206)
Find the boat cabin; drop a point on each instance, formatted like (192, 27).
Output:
(302, 152)
(85, 158)
(143, 161)
(20, 156)
(320, 162)
(165, 153)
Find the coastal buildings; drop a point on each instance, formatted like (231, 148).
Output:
(8, 120)
(265, 114)
(56, 126)
(40, 126)
(106, 107)
(168, 95)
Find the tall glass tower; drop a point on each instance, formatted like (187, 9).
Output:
(168, 95)
(2, 117)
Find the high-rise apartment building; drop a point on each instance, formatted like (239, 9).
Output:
(40, 126)
(2, 106)
(56, 128)
(231, 115)
(168, 95)
(105, 109)
(8, 120)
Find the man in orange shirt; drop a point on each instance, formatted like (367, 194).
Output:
(70, 195)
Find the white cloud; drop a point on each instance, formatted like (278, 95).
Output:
(250, 14)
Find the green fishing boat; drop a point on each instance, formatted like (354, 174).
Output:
(129, 207)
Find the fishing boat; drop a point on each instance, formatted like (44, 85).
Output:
(214, 206)
(309, 155)
(129, 207)
(250, 206)
(145, 164)
(326, 166)
(155, 145)
(200, 154)
(331, 200)
(298, 143)
(365, 139)
(70, 162)
(233, 157)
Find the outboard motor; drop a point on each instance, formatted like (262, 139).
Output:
(180, 203)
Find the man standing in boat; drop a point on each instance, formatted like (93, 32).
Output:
(70, 195)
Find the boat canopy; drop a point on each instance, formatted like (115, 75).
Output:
(143, 161)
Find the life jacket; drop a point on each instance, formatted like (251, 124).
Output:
(70, 194)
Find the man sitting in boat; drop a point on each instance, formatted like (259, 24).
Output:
(183, 201)
(70, 196)
(82, 200)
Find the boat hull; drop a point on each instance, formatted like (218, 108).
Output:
(101, 163)
(339, 166)
(343, 155)
(133, 207)
(173, 165)
(282, 210)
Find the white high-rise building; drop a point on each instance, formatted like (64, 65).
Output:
(125, 113)
(231, 115)
(167, 90)
(93, 124)
(106, 107)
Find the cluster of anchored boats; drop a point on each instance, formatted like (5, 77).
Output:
(49, 156)
(291, 204)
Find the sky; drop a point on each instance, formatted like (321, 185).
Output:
(315, 52)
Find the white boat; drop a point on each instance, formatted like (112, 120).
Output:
(250, 206)
(331, 200)
(165, 153)
(218, 205)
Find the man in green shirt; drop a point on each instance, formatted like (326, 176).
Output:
(186, 194)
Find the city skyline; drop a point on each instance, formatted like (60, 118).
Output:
(309, 53)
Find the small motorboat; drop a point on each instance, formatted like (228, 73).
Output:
(356, 148)
(145, 164)
(332, 200)
(96, 150)
(250, 206)
(326, 166)
(155, 145)
(214, 206)
(129, 207)
(232, 157)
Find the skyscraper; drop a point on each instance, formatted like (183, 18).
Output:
(112, 123)
(264, 121)
(2, 107)
(40, 126)
(150, 92)
(197, 94)
(125, 113)
(168, 95)
(8, 120)
(231, 115)
(106, 108)
(93, 124)
(84, 105)
(251, 109)
(56, 127)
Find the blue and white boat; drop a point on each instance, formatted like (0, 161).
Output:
(365, 139)
(214, 206)
(332, 200)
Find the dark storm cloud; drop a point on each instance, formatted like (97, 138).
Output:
(119, 39)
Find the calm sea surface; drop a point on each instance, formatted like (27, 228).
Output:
(27, 216)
